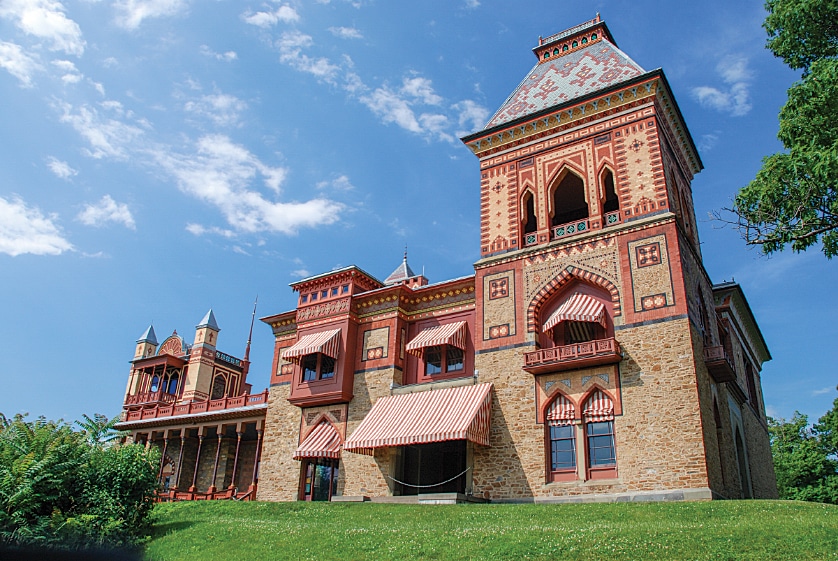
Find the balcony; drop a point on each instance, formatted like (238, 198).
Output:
(193, 407)
(571, 228)
(719, 364)
(151, 398)
(571, 357)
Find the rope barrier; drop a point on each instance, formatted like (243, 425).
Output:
(427, 486)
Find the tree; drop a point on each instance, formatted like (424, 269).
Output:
(99, 430)
(805, 458)
(794, 198)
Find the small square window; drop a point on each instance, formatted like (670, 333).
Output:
(304, 298)
(324, 294)
(313, 296)
(344, 289)
(335, 291)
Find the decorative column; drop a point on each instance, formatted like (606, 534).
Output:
(193, 489)
(236, 459)
(163, 456)
(256, 461)
(180, 456)
(213, 488)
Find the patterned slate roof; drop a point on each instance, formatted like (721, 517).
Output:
(402, 272)
(561, 79)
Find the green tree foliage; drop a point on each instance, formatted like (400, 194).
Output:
(60, 488)
(794, 198)
(805, 459)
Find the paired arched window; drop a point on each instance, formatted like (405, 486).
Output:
(596, 431)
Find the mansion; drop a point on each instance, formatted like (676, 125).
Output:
(588, 357)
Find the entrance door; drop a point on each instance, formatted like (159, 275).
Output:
(432, 468)
(320, 479)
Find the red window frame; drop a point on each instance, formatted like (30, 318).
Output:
(318, 372)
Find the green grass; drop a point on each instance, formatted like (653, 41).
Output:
(718, 530)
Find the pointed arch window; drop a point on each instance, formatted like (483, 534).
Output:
(530, 221)
(219, 387)
(155, 383)
(611, 202)
(569, 202)
(173, 381)
(598, 416)
(561, 435)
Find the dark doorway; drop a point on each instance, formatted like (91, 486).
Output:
(320, 479)
(432, 468)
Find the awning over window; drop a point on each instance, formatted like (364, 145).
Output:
(326, 342)
(599, 407)
(579, 307)
(561, 412)
(447, 334)
(322, 442)
(462, 413)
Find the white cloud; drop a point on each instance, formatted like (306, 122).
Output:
(472, 4)
(228, 56)
(300, 273)
(18, 63)
(223, 174)
(472, 116)
(707, 142)
(60, 169)
(107, 136)
(223, 109)
(106, 210)
(421, 89)
(346, 32)
(285, 14)
(340, 183)
(45, 19)
(391, 108)
(70, 75)
(131, 13)
(290, 46)
(199, 230)
(26, 230)
(735, 99)
(823, 391)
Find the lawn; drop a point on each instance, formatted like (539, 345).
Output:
(763, 530)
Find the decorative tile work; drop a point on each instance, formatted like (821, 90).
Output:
(499, 314)
(376, 343)
(323, 310)
(648, 255)
(652, 286)
(498, 209)
(286, 369)
(499, 288)
(604, 378)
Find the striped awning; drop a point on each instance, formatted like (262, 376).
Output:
(579, 307)
(561, 412)
(448, 334)
(322, 442)
(599, 407)
(462, 413)
(326, 342)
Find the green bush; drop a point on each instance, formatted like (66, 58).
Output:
(62, 488)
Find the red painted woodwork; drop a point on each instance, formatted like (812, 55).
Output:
(338, 388)
(719, 364)
(215, 405)
(228, 494)
(158, 397)
(569, 357)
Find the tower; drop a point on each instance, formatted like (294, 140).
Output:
(199, 380)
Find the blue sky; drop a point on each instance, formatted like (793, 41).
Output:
(164, 157)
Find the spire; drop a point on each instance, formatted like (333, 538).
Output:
(402, 272)
(208, 321)
(148, 336)
(250, 335)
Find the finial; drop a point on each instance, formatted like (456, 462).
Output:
(405, 252)
(597, 17)
(250, 335)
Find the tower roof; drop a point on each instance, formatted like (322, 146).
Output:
(208, 321)
(402, 272)
(571, 64)
(148, 336)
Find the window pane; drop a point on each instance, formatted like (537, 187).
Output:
(563, 447)
(601, 444)
(309, 365)
(433, 360)
(453, 359)
(155, 383)
(327, 367)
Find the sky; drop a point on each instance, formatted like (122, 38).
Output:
(164, 157)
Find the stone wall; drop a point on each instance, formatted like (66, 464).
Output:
(279, 473)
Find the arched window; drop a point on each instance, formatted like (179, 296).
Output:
(569, 203)
(598, 414)
(173, 380)
(717, 420)
(611, 202)
(530, 220)
(219, 385)
(743, 465)
(579, 317)
(561, 434)
(155, 383)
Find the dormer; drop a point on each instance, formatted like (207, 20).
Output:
(338, 285)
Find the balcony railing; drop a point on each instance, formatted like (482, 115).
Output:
(571, 228)
(150, 397)
(193, 407)
(611, 218)
(719, 364)
(568, 357)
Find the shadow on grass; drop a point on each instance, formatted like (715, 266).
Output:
(166, 528)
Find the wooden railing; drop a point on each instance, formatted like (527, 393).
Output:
(151, 397)
(578, 355)
(719, 364)
(224, 494)
(211, 406)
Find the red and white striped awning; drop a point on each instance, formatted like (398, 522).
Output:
(462, 413)
(326, 342)
(322, 442)
(579, 307)
(561, 412)
(448, 334)
(599, 407)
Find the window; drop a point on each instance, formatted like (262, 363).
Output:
(601, 444)
(335, 291)
(324, 294)
(344, 289)
(173, 380)
(313, 296)
(569, 203)
(443, 359)
(317, 366)
(562, 447)
(155, 384)
(530, 221)
(612, 203)
(304, 298)
(219, 387)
